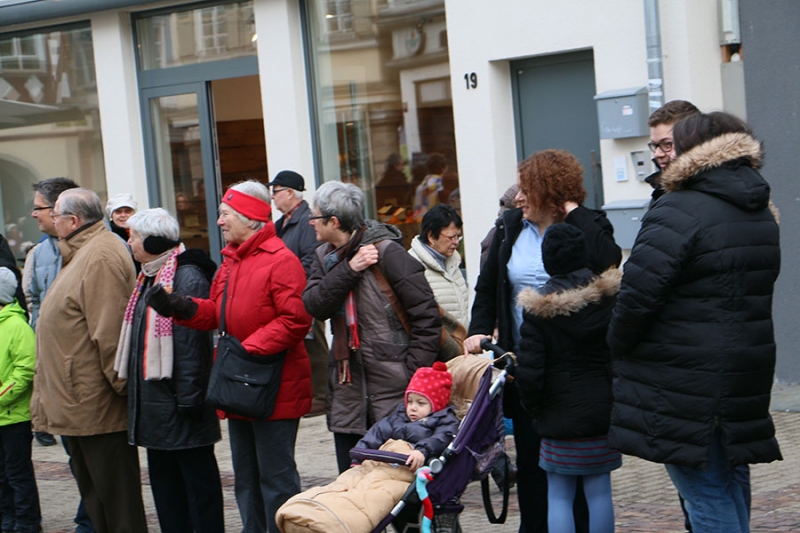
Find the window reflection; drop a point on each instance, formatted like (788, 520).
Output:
(384, 106)
(49, 121)
(196, 35)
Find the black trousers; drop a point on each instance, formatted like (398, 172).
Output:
(106, 468)
(532, 480)
(187, 490)
(344, 442)
(19, 495)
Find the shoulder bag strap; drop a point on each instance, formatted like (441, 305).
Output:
(387, 290)
(222, 313)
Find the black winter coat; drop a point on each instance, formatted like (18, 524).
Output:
(171, 414)
(431, 435)
(564, 372)
(692, 332)
(492, 305)
(298, 235)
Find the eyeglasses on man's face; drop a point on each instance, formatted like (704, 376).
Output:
(276, 191)
(318, 217)
(665, 146)
(38, 208)
(60, 215)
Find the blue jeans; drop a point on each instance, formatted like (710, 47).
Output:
(265, 474)
(714, 498)
(19, 495)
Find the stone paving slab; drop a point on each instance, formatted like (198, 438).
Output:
(644, 498)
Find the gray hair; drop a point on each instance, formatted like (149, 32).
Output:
(51, 188)
(345, 201)
(82, 203)
(155, 222)
(255, 189)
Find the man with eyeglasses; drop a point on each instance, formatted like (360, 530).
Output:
(661, 142)
(299, 236)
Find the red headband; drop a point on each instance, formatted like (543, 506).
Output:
(247, 205)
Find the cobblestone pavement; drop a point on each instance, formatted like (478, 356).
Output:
(644, 498)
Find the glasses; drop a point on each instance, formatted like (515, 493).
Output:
(452, 238)
(317, 217)
(666, 146)
(276, 191)
(57, 215)
(42, 208)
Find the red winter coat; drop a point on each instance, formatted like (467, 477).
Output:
(265, 311)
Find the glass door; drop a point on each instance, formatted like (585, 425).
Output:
(179, 133)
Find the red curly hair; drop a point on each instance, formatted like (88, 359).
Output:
(551, 177)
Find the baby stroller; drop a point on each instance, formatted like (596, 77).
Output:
(471, 455)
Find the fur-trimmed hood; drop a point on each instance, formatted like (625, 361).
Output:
(571, 301)
(711, 154)
(726, 167)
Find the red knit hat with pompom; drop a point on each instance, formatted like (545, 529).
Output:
(434, 383)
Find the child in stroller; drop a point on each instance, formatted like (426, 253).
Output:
(421, 428)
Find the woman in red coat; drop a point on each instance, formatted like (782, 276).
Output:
(265, 312)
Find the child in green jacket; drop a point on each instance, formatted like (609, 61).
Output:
(19, 496)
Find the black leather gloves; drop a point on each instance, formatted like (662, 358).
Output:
(169, 304)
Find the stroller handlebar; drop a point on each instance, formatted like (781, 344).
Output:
(489, 346)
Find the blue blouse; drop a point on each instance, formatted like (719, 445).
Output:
(525, 269)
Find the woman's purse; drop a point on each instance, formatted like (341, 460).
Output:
(242, 383)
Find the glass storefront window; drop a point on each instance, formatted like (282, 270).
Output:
(49, 121)
(383, 104)
(196, 35)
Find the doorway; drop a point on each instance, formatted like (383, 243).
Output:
(201, 138)
(554, 108)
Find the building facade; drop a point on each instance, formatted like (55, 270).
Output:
(174, 101)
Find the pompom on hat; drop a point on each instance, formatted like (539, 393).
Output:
(8, 286)
(434, 383)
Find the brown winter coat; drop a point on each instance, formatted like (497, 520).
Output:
(76, 390)
(388, 358)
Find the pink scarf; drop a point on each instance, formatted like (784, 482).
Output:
(157, 357)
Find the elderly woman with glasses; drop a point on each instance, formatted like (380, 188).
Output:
(167, 368)
(436, 247)
(261, 283)
(358, 269)
(550, 191)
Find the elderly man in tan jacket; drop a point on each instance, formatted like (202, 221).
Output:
(77, 392)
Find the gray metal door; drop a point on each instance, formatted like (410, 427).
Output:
(554, 108)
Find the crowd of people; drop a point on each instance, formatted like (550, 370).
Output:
(671, 360)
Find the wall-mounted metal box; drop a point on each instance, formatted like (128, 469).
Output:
(623, 113)
(626, 217)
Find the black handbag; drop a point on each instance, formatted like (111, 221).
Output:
(242, 383)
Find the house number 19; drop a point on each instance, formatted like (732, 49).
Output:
(471, 80)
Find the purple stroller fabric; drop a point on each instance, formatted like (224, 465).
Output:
(481, 428)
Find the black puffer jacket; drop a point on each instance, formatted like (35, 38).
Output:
(564, 372)
(170, 414)
(692, 333)
(387, 358)
(298, 235)
(431, 435)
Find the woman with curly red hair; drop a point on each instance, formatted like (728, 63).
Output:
(551, 191)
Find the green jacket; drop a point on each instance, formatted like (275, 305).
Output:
(17, 362)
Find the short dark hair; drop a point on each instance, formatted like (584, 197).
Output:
(436, 163)
(51, 188)
(672, 112)
(697, 129)
(436, 219)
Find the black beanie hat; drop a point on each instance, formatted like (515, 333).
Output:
(564, 249)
